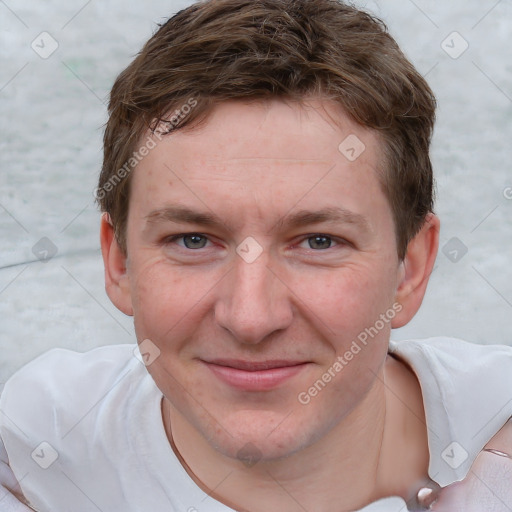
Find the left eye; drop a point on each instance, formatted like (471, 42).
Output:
(319, 242)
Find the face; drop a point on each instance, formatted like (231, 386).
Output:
(258, 253)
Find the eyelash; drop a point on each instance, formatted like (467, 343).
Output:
(337, 241)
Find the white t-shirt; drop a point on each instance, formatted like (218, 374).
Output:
(84, 432)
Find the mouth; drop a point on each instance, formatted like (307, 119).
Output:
(255, 376)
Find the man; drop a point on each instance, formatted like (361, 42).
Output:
(268, 218)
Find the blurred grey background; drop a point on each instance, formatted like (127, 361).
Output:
(59, 60)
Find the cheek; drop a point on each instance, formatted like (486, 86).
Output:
(166, 300)
(168, 306)
(349, 308)
(349, 312)
(348, 300)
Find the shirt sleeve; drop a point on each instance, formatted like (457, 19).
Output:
(10, 492)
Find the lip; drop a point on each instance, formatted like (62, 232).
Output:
(255, 376)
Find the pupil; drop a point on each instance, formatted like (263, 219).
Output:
(194, 241)
(319, 242)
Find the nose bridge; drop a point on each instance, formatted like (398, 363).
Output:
(253, 303)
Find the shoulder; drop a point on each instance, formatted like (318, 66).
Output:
(455, 371)
(456, 364)
(448, 349)
(61, 385)
(467, 396)
(59, 371)
(68, 415)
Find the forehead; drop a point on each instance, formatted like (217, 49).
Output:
(281, 129)
(268, 155)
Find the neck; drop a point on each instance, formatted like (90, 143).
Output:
(378, 450)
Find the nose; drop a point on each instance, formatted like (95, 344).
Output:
(253, 302)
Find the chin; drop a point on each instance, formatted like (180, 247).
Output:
(265, 436)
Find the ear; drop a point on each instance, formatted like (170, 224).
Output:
(416, 269)
(117, 282)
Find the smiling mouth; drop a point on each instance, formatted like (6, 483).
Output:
(255, 376)
(253, 366)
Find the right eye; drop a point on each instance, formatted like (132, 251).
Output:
(192, 241)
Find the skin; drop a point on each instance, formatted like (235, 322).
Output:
(488, 486)
(253, 166)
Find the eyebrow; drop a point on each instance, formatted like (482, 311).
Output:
(182, 214)
(329, 214)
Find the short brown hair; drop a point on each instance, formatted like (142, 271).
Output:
(219, 50)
